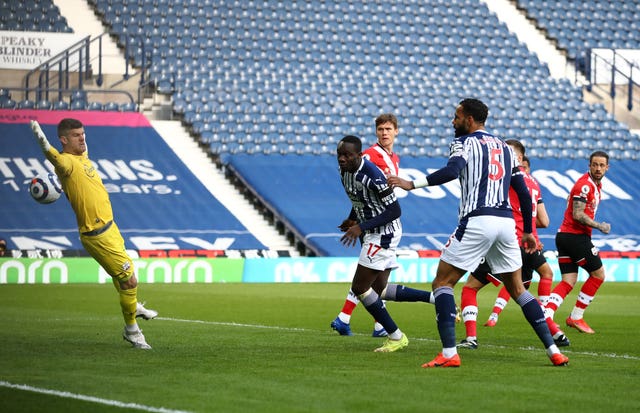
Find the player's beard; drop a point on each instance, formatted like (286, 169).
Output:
(460, 131)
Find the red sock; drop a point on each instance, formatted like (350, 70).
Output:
(348, 307)
(588, 291)
(504, 294)
(469, 299)
(562, 289)
(553, 327)
(544, 287)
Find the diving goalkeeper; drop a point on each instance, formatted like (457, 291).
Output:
(99, 234)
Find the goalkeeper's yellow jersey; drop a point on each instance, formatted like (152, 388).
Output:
(84, 189)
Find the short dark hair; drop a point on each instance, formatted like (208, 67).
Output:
(387, 117)
(516, 144)
(475, 108)
(526, 159)
(601, 154)
(67, 124)
(354, 140)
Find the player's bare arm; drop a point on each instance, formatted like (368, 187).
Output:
(580, 216)
(542, 218)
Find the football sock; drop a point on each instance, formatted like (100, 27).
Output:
(469, 303)
(446, 317)
(544, 289)
(553, 327)
(585, 296)
(374, 305)
(128, 302)
(132, 328)
(533, 313)
(558, 294)
(501, 301)
(397, 292)
(350, 304)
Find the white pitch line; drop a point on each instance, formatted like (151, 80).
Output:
(231, 324)
(91, 399)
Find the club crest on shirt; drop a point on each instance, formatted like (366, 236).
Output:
(89, 170)
(584, 191)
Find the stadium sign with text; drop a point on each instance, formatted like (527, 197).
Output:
(87, 270)
(27, 50)
(157, 201)
(251, 270)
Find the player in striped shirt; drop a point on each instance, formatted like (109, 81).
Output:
(482, 275)
(374, 220)
(380, 154)
(487, 168)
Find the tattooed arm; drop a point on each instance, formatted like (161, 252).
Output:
(580, 216)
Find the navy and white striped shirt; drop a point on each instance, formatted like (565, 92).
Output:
(370, 196)
(486, 177)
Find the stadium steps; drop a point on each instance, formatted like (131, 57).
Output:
(535, 40)
(81, 18)
(187, 149)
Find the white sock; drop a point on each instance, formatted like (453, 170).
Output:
(553, 349)
(577, 313)
(133, 328)
(449, 352)
(345, 318)
(396, 335)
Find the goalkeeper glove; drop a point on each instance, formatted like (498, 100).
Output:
(40, 136)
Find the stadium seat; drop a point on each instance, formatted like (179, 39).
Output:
(44, 104)
(78, 104)
(8, 103)
(60, 105)
(111, 107)
(26, 104)
(95, 106)
(128, 107)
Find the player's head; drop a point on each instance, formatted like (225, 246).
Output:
(3, 246)
(598, 165)
(518, 148)
(526, 164)
(470, 115)
(349, 153)
(387, 130)
(72, 137)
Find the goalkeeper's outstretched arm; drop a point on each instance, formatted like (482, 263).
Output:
(40, 136)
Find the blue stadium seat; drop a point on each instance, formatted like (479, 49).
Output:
(44, 104)
(60, 105)
(95, 106)
(26, 104)
(111, 107)
(78, 104)
(128, 107)
(8, 103)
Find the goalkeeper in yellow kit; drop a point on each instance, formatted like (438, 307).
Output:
(99, 234)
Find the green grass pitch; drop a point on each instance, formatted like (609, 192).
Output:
(269, 348)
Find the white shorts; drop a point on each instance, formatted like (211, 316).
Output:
(373, 256)
(488, 236)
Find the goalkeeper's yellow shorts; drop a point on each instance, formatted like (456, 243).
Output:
(107, 248)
